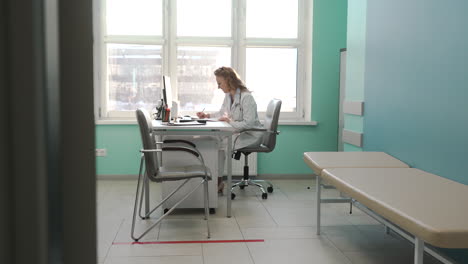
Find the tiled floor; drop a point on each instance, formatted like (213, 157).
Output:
(286, 221)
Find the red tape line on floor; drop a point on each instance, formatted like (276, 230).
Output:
(188, 242)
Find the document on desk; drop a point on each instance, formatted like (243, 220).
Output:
(208, 120)
(192, 123)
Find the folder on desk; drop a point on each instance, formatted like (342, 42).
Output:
(193, 123)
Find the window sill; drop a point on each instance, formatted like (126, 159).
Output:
(116, 122)
(133, 122)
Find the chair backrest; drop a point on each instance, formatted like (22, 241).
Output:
(148, 141)
(271, 123)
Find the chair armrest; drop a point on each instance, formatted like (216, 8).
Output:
(173, 148)
(253, 129)
(150, 150)
(260, 129)
(192, 151)
(247, 130)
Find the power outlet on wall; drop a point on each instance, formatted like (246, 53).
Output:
(101, 152)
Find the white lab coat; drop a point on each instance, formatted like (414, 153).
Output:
(243, 113)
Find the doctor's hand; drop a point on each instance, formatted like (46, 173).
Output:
(203, 115)
(225, 119)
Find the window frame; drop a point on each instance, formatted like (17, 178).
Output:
(237, 42)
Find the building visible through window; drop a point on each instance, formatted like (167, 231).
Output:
(139, 41)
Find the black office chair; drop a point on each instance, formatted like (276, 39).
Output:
(153, 171)
(268, 145)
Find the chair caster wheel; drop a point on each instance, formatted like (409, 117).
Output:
(166, 210)
(270, 189)
(233, 195)
(264, 196)
(242, 187)
(136, 240)
(212, 211)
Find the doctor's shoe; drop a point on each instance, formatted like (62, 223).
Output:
(236, 155)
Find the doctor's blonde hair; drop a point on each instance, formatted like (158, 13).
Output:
(231, 77)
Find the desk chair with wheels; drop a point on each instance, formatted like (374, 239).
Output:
(156, 173)
(268, 145)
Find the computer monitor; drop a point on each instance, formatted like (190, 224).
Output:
(167, 91)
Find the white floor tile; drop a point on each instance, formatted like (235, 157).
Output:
(361, 220)
(195, 229)
(226, 253)
(140, 226)
(156, 260)
(286, 220)
(279, 232)
(351, 241)
(251, 213)
(307, 217)
(145, 250)
(100, 260)
(385, 257)
(296, 251)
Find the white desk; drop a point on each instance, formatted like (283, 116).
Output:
(210, 128)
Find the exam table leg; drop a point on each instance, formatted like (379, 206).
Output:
(418, 250)
(318, 203)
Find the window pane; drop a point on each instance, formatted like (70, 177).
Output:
(271, 18)
(204, 18)
(195, 79)
(134, 76)
(136, 17)
(271, 73)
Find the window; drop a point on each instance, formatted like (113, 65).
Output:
(268, 42)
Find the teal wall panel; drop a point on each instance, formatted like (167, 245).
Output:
(355, 62)
(416, 84)
(356, 49)
(354, 123)
(329, 36)
(416, 89)
(349, 147)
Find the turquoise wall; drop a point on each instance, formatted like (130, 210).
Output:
(329, 35)
(123, 143)
(415, 85)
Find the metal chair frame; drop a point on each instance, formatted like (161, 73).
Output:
(151, 171)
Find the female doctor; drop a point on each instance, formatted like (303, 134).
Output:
(239, 110)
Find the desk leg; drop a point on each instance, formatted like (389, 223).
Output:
(317, 181)
(229, 175)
